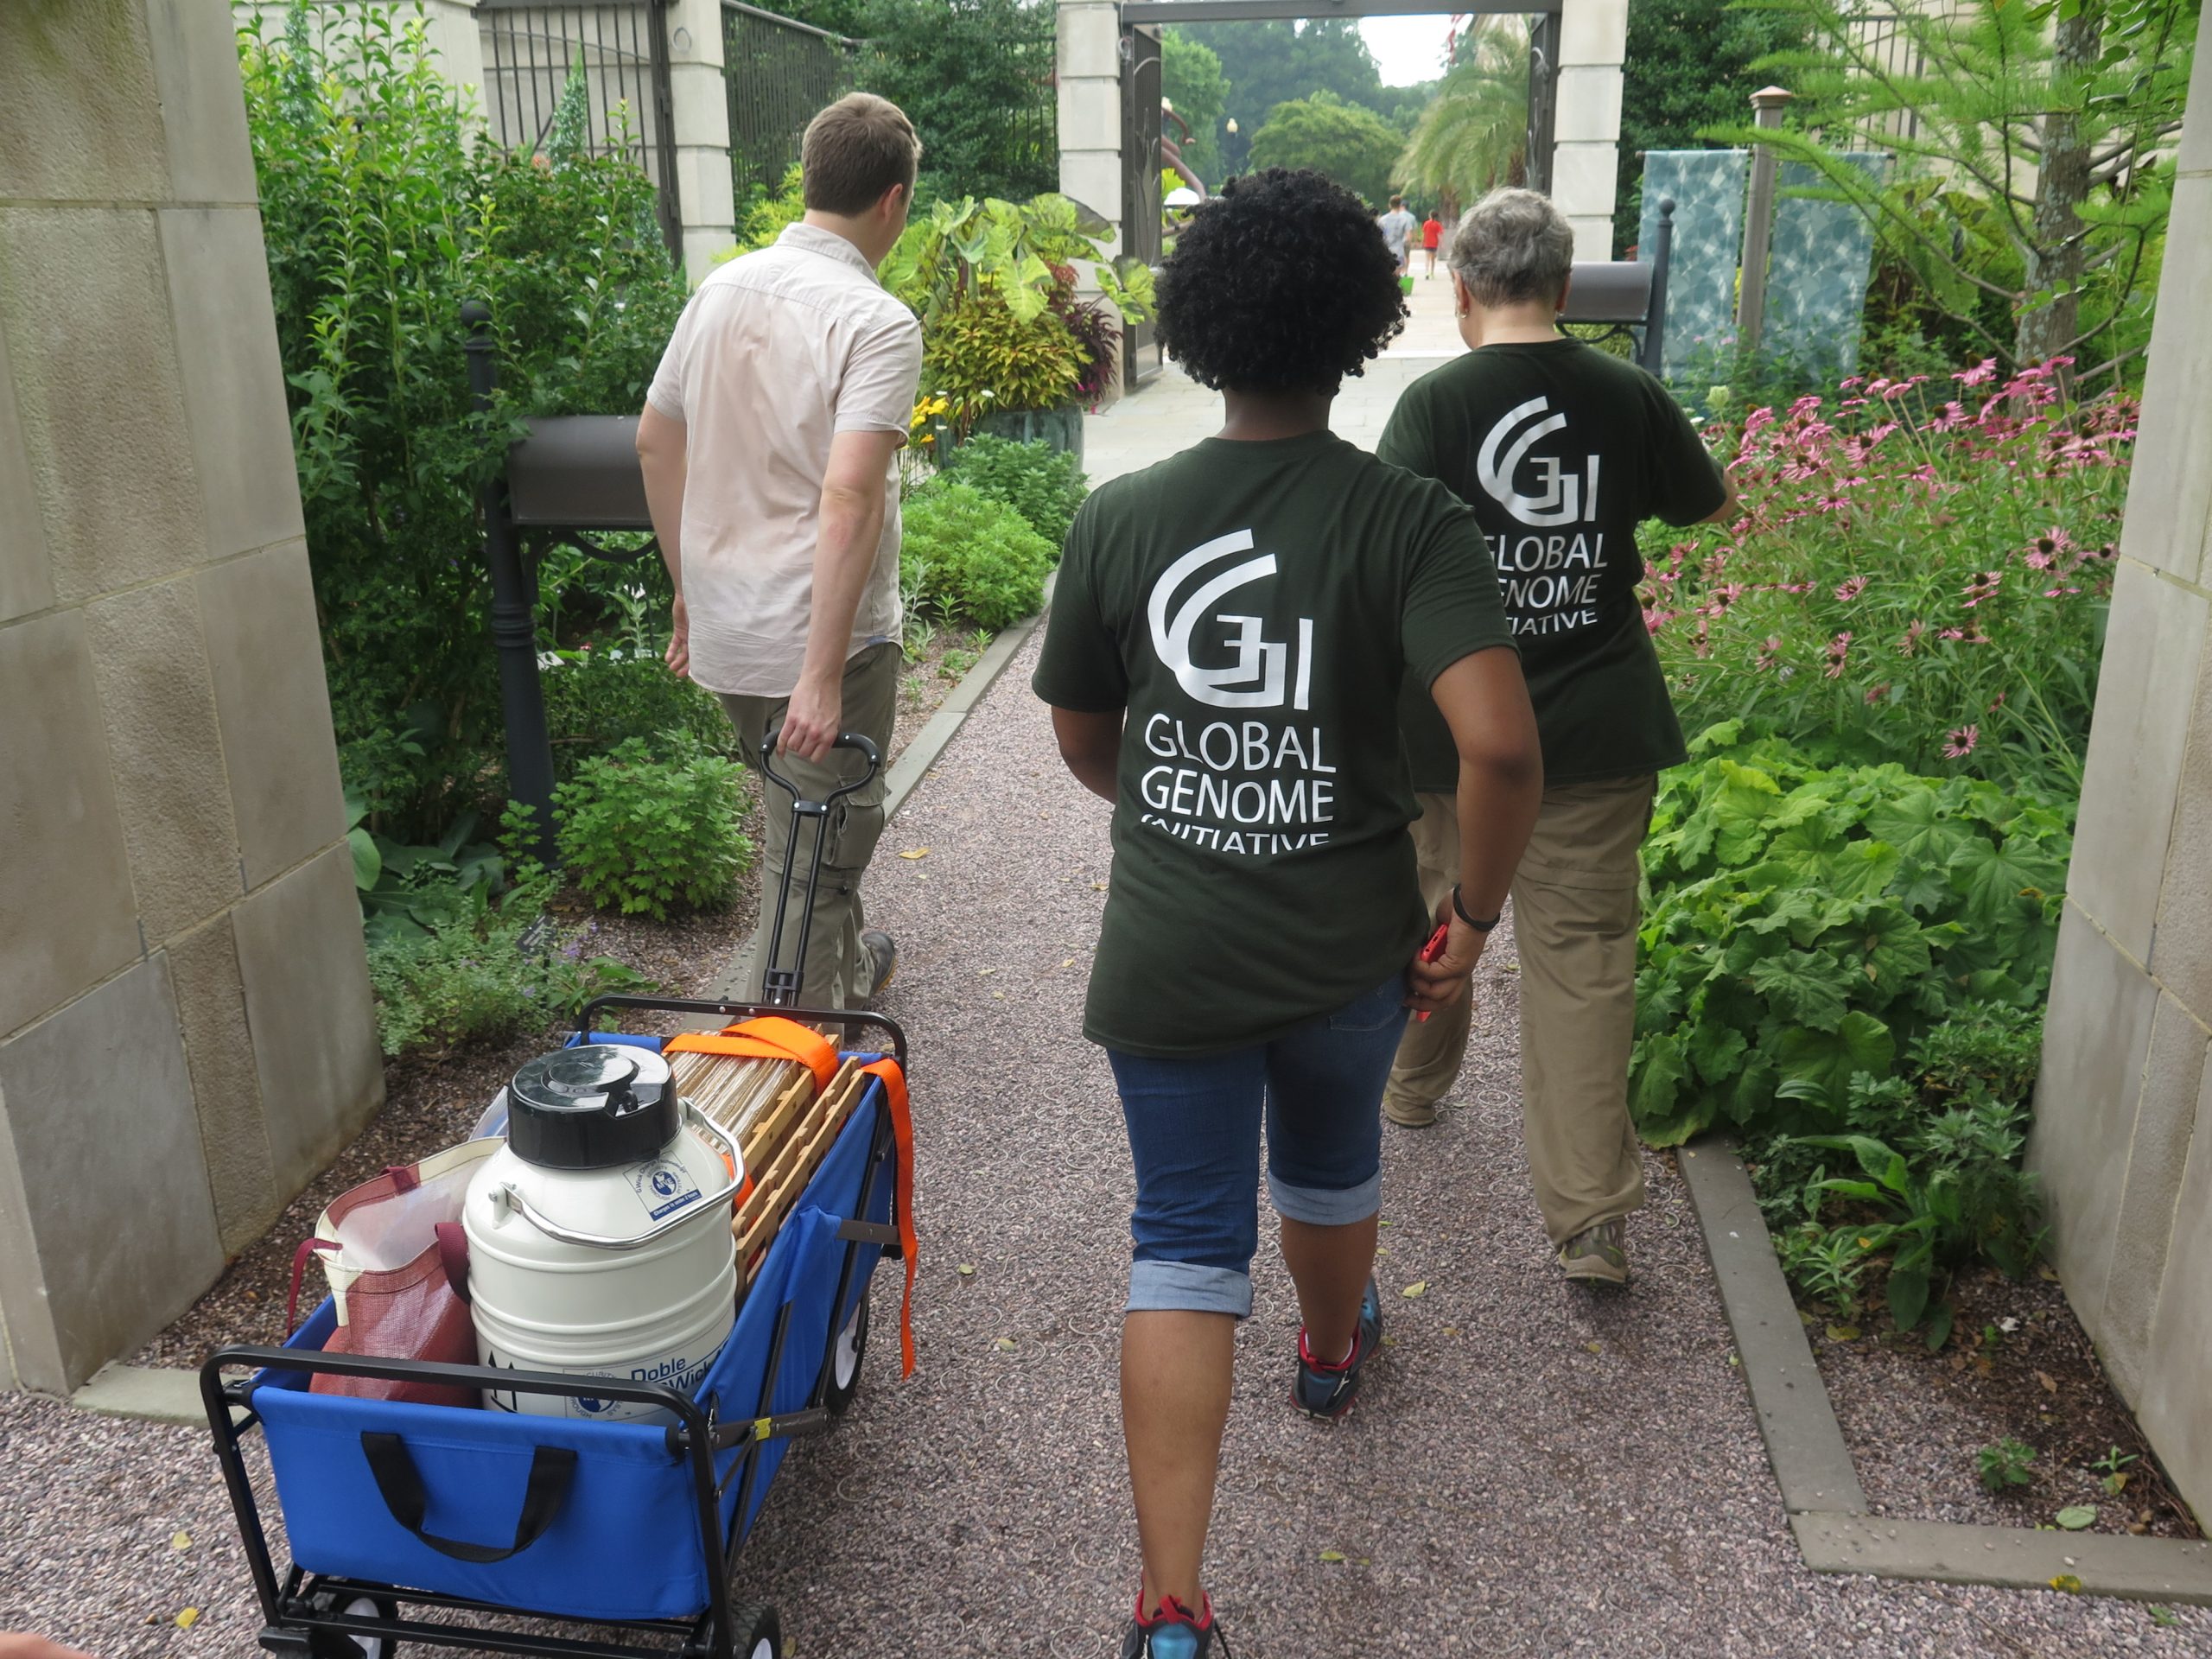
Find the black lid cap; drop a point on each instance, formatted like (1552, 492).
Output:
(597, 1106)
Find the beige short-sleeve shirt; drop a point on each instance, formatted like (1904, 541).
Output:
(779, 351)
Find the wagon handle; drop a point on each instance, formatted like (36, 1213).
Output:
(552, 1471)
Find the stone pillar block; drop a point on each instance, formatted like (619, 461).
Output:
(2095, 1036)
(1589, 106)
(85, 306)
(2181, 943)
(219, 1051)
(226, 358)
(104, 1142)
(68, 919)
(306, 978)
(2173, 1074)
(701, 101)
(2154, 643)
(708, 203)
(274, 710)
(2169, 524)
(2172, 1405)
(1091, 118)
(1582, 184)
(80, 107)
(1090, 41)
(196, 50)
(25, 576)
(1593, 31)
(157, 702)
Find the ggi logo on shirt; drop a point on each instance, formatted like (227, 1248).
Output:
(1565, 498)
(1262, 673)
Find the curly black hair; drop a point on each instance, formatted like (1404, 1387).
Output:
(1280, 284)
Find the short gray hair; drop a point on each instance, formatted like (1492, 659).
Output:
(1513, 246)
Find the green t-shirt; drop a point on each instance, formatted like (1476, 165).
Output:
(1255, 608)
(1562, 451)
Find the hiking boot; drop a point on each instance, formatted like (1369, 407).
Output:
(1173, 1632)
(883, 961)
(1597, 1255)
(1412, 1114)
(1327, 1391)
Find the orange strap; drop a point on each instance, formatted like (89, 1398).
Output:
(766, 1038)
(902, 1132)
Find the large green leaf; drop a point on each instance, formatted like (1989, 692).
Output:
(1717, 1051)
(1665, 1113)
(1894, 949)
(1816, 1065)
(1807, 987)
(1995, 880)
(1914, 823)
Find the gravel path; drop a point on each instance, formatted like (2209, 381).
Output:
(1533, 1471)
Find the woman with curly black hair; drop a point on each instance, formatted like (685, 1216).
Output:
(1222, 661)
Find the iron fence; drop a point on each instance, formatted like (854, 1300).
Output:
(621, 48)
(1886, 44)
(777, 72)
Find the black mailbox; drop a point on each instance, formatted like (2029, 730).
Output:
(1622, 295)
(578, 472)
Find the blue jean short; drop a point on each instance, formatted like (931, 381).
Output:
(1194, 1132)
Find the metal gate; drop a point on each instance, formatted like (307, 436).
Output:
(1140, 164)
(777, 72)
(621, 47)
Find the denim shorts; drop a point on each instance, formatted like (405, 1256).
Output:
(1194, 1133)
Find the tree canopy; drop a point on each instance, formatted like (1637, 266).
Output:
(1269, 64)
(1192, 80)
(1473, 136)
(1344, 141)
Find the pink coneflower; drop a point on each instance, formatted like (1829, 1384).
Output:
(1907, 646)
(1962, 742)
(1983, 585)
(1850, 590)
(1877, 693)
(1953, 415)
(1980, 375)
(2039, 559)
(1997, 704)
(1768, 652)
(1839, 653)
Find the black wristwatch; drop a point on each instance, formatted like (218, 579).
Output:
(1477, 923)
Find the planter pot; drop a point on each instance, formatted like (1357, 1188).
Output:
(1062, 427)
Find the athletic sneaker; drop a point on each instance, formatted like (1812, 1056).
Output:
(1327, 1391)
(1173, 1632)
(883, 959)
(1599, 1253)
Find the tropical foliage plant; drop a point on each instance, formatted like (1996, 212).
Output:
(1473, 135)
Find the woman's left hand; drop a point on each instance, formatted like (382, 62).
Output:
(1439, 984)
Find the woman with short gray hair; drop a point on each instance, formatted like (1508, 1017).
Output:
(1561, 450)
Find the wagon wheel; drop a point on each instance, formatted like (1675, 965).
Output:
(326, 1644)
(759, 1633)
(846, 1350)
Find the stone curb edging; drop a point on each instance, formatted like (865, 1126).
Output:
(1812, 1464)
(157, 1394)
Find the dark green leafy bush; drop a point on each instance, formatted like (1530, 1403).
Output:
(1044, 485)
(1807, 924)
(971, 559)
(385, 210)
(596, 699)
(642, 835)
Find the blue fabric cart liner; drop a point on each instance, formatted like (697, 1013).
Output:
(625, 1542)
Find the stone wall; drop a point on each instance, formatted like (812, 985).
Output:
(186, 1035)
(2123, 1140)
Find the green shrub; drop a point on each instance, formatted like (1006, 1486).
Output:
(980, 355)
(968, 558)
(1044, 485)
(597, 699)
(1807, 924)
(642, 835)
(383, 212)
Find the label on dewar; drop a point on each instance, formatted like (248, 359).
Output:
(676, 1371)
(663, 1186)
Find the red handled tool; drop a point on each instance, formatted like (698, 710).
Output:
(1430, 953)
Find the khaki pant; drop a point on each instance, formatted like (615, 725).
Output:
(1574, 922)
(838, 970)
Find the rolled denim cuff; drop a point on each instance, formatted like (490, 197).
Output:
(1321, 1206)
(1189, 1287)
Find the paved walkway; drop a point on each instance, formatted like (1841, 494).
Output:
(1533, 1470)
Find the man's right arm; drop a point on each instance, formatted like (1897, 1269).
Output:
(662, 455)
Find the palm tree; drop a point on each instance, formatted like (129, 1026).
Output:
(1474, 135)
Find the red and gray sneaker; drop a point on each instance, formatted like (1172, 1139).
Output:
(1174, 1632)
(1326, 1390)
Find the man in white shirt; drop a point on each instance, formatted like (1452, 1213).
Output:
(770, 442)
(1397, 228)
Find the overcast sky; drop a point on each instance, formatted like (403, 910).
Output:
(1407, 49)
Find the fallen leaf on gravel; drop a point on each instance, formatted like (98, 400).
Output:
(187, 1619)
(966, 1269)
(1389, 1342)
(1450, 1330)
(1734, 1361)
(1069, 962)
(2050, 1383)
(1984, 1367)
(1382, 1223)
(1382, 1250)
(1960, 1362)
(1098, 887)
(2163, 1618)
(1805, 1319)
(1595, 1347)
(1843, 1333)
(2076, 1517)
(1004, 1344)
(180, 1541)
(2046, 1272)
(1416, 1288)
(2068, 1583)
(1333, 1558)
(985, 973)
(915, 852)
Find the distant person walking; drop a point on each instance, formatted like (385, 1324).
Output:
(769, 442)
(1397, 227)
(1562, 451)
(1432, 233)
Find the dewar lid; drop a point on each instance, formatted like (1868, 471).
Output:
(597, 1106)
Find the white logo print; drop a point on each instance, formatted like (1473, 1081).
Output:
(1564, 496)
(1261, 675)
